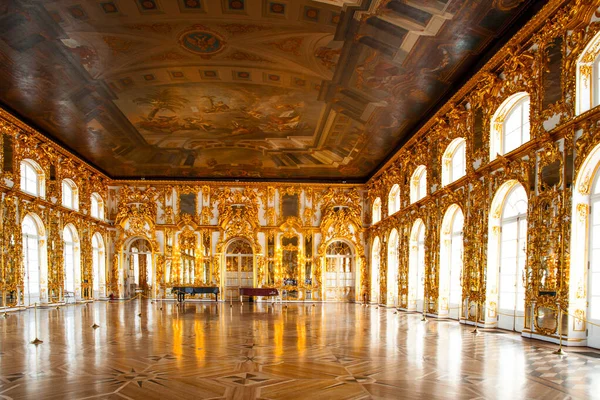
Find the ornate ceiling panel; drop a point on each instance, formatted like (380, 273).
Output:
(243, 89)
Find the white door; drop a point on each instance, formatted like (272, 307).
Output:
(421, 269)
(339, 277)
(239, 273)
(375, 272)
(593, 339)
(511, 293)
(31, 269)
(456, 265)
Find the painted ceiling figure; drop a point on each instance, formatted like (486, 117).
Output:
(218, 106)
(165, 99)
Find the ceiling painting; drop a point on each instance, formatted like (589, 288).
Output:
(231, 89)
(180, 113)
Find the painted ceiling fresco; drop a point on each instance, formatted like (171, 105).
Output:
(240, 89)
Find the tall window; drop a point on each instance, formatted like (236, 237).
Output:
(71, 260)
(394, 200)
(32, 180)
(594, 253)
(69, 194)
(377, 210)
(510, 125)
(516, 126)
(454, 162)
(418, 184)
(31, 260)
(375, 257)
(451, 263)
(97, 206)
(392, 266)
(136, 265)
(513, 257)
(456, 259)
(98, 271)
(416, 283)
(588, 76)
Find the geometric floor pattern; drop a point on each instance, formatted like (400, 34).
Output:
(148, 350)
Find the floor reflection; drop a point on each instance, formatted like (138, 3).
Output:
(162, 350)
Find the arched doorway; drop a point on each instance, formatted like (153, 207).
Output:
(416, 267)
(35, 268)
(392, 269)
(340, 272)
(375, 258)
(507, 255)
(71, 263)
(451, 263)
(98, 266)
(239, 267)
(139, 272)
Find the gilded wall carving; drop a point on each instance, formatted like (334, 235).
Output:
(545, 166)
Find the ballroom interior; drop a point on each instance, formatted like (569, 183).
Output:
(286, 199)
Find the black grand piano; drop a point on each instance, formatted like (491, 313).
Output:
(183, 290)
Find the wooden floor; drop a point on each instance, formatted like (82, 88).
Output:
(333, 351)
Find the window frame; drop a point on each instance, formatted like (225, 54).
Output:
(501, 117)
(418, 184)
(74, 194)
(97, 211)
(39, 177)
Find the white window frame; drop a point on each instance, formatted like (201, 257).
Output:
(458, 147)
(376, 210)
(72, 196)
(394, 199)
(418, 184)
(498, 124)
(97, 210)
(26, 166)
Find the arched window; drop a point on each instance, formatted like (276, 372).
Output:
(454, 165)
(416, 267)
(375, 257)
(98, 266)
(31, 260)
(32, 178)
(377, 210)
(588, 76)
(418, 184)
(394, 200)
(510, 125)
(392, 269)
(72, 266)
(70, 198)
(451, 262)
(97, 206)
(507, 255)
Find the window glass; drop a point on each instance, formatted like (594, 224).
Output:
(516, 126)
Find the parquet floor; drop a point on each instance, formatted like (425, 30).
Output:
(332, 351)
